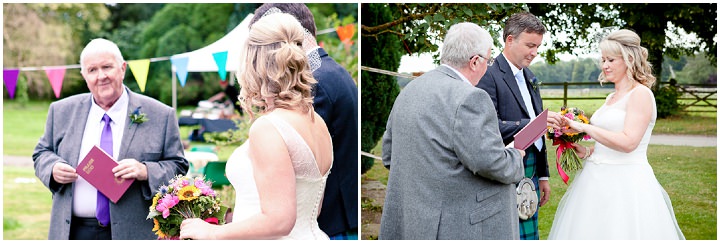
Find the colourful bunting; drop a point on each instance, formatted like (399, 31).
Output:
(221, 60)
(56, 75)
(180, 64)
(10, 79)
(139, 70)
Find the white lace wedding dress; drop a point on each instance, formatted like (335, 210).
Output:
(310, 183)
(616, 195)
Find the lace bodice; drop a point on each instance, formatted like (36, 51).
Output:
(612, 118)
(309, 182)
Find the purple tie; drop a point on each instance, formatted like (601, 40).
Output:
(102, 209)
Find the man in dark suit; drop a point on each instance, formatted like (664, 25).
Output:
(513, 90)
(148, 150)
(336, 101)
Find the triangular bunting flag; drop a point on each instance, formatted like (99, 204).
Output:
(220, 60)
(56, 75)
(10, 79)
(139, 70)
(180, 64)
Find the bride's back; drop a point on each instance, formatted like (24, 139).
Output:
(315, 134)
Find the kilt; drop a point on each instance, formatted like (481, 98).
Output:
(529, 227)
(347, 235)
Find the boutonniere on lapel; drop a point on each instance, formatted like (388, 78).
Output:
(137, 116)
(535, 83)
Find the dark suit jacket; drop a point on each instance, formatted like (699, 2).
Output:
(336, 101)
(499, 82)
(156, 143)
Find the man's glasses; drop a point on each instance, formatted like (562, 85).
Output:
(490, 61)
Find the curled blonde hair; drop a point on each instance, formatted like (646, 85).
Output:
(275, 73)
(626, 43)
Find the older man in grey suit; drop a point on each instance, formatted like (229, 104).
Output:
(148, 150)
(451, 177)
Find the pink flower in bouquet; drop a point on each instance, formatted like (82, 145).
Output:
(167, 202)
(205, 189)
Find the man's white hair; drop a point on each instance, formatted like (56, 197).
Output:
(98, 46)
(462, 42)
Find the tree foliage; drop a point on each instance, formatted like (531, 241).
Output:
(378, 90)
(47, 35)
(422, 26)
(575, 70)
(655, 23)
(54, 34)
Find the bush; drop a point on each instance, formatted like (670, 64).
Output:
(666, 100)
(378, 91)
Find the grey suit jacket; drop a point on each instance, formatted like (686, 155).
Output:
(156, 143)
(450, 175)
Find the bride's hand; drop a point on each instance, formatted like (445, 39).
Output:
(582, 151)
(196, 229)
(575, 127)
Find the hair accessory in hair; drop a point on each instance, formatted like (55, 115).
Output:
(270, 11)
(601, 34)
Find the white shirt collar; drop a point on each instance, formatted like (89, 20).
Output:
(458, 73)
(117, 111)
(514, 68)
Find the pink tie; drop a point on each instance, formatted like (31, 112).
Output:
(102, 209)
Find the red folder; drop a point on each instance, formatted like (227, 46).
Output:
(96, 168)
(532, 132)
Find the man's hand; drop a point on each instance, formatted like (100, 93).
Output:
(544, 191)
(555, 120)
(131, 168)
(512, 145)
(64, 173)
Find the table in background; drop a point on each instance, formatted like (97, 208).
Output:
(206, 125)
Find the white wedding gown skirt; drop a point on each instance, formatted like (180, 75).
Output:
(616, 195)
(309, 183)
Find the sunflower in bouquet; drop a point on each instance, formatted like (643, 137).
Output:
(184, 197)
(567, 158)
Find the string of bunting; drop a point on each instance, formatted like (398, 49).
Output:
(391, 73)
(140, 68)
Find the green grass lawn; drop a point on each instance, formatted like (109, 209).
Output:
(26, 205)
(688, 174)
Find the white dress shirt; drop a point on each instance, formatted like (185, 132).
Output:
(84, 194)
(528, 102)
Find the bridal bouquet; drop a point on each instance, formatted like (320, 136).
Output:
(183, 198)
(567, 158)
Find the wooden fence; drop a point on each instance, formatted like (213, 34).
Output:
(702, 96)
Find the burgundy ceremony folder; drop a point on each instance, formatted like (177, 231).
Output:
(96, 168)
(530, 133)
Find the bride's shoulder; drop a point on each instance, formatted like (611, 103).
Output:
(641, 98)
(642, 93)
(260, 126)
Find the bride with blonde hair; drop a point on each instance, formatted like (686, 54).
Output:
(616, 195)
(279, 173)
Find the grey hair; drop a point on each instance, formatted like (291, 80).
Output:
(97, 46)
(462, 42)
(522, 22)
